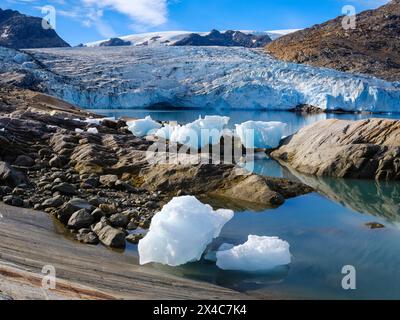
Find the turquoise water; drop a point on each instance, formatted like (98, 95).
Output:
(326, 229)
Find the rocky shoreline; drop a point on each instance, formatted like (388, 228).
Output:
(365, 149)
(100, 185)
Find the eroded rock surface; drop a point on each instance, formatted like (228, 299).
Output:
(366, 149)
(83, 178)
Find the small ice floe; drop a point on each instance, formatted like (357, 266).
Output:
(198, 133)
(181, 231)
(93, 130)
(77, 130)
(257, 254)
(97, 121)
(259, 134)
(143, 127)
(2, 129)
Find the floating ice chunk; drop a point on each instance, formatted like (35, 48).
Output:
(93, 130)
(142, 127)
(97, 121)
(2, 129)
(257, 254)
(201, 132)
(259, 134)
(181, 231)
(165, 132)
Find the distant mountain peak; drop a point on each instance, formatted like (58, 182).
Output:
(20, 31)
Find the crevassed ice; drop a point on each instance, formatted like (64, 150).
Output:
(181, 231)
(260, 134)
(143, 127)
(199, 77)
(257, 254)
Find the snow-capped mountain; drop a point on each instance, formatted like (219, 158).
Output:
(170, 38)
(198, 77)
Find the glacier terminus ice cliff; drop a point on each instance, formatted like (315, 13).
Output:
(198, 77)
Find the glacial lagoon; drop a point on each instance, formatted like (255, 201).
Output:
(326, 229)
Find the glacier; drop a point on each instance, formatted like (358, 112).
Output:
(181, 232)
(196, 77)
(257, 254)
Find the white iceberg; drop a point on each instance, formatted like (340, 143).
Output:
(260, 134)
(143, 127)
(165, 132)
(198, 133)
(257, 254)
(97, 121)
(181, 232)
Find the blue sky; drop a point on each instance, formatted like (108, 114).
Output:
(80, 21)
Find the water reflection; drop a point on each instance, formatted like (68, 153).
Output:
(240, 281)
(377, 198)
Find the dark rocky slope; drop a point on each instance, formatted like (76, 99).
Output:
(20, 31)
(372, 48)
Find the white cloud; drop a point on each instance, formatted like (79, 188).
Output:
(145, 12)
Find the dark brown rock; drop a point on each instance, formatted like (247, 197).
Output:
(10, 176)
(371, 48)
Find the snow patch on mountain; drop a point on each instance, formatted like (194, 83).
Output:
(169, 38)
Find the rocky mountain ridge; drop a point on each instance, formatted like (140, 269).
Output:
(20, 31)
(371, 48)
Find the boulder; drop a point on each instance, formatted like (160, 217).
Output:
(54, 202)
(13, 201)
(107, 208)
(119, 220)
(24, 161)
(88, 238)
(110, 236)
(65, 188)
(108, 180)
(80, 219)
(365, 149)
(10, 176)
(76, 204)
